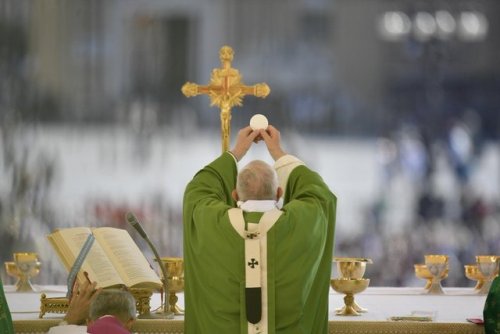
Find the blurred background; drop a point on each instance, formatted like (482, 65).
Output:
(395, 103)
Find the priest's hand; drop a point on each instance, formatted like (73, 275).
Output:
(272, 138)
(79, 305)
(244, 140)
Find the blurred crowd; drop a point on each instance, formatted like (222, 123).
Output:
(430, 200)
(429, 203)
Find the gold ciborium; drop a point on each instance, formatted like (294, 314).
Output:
(437, 266)
(472, 272)
(487, 266)
(175, 280)
(422, 272)
(24, 267)
(349, 287)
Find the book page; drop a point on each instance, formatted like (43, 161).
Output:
(96, 264)
(128, 259)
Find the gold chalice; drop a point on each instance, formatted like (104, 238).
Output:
(349, 287)
(351, 267)
(175, 280)
(487, 267)
(472, 272)
(422, 272)
(24, 267)
(437, 266)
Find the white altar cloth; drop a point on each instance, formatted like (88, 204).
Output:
(455, 306)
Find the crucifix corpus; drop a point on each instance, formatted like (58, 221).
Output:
(225, 90)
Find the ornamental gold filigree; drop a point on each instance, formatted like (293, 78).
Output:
(225, 91)
(61, 304)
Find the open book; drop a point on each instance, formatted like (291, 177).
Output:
(113, 260)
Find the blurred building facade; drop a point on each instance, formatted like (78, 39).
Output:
(331, 64)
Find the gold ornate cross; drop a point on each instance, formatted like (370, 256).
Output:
(225, 90)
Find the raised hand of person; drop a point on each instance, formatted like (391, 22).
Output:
(272, 138)
(244, 140)
(79, 305)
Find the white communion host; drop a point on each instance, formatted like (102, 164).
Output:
(258, 121)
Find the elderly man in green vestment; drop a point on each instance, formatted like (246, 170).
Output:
(252, 265)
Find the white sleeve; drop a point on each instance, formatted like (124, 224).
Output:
(68, 329)
(284, 166)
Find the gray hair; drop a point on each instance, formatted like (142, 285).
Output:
(119, 303)
(257, 181)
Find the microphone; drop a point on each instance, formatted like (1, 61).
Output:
(132, 220)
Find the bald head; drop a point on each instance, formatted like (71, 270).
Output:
(257, 181)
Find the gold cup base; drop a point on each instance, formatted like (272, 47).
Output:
(24, 285)
(435, 288)
(172, 305)
(354, 308)
(176, 310)
(172, 302)
(351, 308)
(483, 288)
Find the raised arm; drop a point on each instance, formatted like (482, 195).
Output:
(246, 137)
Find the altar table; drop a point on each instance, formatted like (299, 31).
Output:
(449, 312)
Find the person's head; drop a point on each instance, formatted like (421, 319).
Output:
(257, 181)
(118, 303)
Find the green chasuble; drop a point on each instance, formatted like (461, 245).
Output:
(491, 313)
(299, 254)
(6, 326)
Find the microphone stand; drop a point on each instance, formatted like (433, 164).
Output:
(166, 314)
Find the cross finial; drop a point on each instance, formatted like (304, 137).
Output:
(225, 90)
